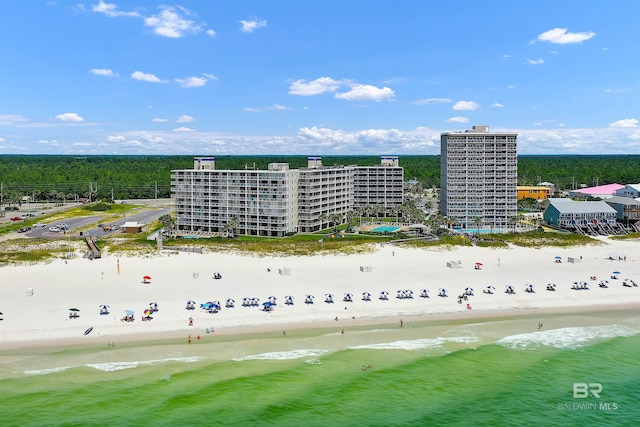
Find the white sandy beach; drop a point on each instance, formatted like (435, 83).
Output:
(43, 317)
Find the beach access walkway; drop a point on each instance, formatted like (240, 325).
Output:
(94, 251)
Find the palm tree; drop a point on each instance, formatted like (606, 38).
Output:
(477, 222)
(335, 219)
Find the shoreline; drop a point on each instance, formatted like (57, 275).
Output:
(269, 330)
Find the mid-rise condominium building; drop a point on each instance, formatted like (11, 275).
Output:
(478, 181)
(279, 201)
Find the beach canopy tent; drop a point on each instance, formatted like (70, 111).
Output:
(73, 313)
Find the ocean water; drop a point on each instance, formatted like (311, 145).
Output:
(574, 370)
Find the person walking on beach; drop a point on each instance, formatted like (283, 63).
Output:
(189, 338)
(401, 323)
(539, 325)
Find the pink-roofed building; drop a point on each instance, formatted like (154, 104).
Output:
(601, 191)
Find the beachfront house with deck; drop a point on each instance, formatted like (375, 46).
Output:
(627, 210)
(592, 217)
(278, 201)
(478, 177)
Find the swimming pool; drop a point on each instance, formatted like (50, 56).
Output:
(386, 229)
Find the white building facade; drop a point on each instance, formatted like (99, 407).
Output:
(479, 171)
(278, 201)
(379, 185)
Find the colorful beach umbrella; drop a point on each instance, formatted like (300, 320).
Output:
(148, 312)
(146, 277)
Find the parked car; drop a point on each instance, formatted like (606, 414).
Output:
(54, 229)
(39, 224)
(17, 218)
(24, 229)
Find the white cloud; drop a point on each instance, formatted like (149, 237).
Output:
(511, 86)
(116, 138)
(102, 72)
(497, 105)
(561, 36)
(210, 33)
(314, 87)
(169, 23)
(251, 26)
(210, 76)
(11, 119)
(183, 129)
(185, 119)
(457, 119)
(465, 106)
(111, 10)
(251, 109)
(625, 123)
(535, 61)
(192, 81)
(427, 101)
(366, 93)
(69, 117)
(279, 107)
(145, 77)
(159, 120)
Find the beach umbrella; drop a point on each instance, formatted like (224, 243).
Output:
(558, 257)
(384, 293)
(104, 307)
(191, 302)
(148, 312)
(230, 300)
(146, 277)
(74, 309)
(468, 289)
(616, 272)
(129, 312)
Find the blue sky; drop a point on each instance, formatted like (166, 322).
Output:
(316, 77)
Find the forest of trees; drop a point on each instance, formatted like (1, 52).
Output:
(64, 178)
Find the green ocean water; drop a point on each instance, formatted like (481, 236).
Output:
(499, 372)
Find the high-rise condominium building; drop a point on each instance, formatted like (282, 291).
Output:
(279, 201)
(478, 177)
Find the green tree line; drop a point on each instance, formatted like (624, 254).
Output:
(63, 178)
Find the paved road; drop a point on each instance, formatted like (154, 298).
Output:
(142, 216)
